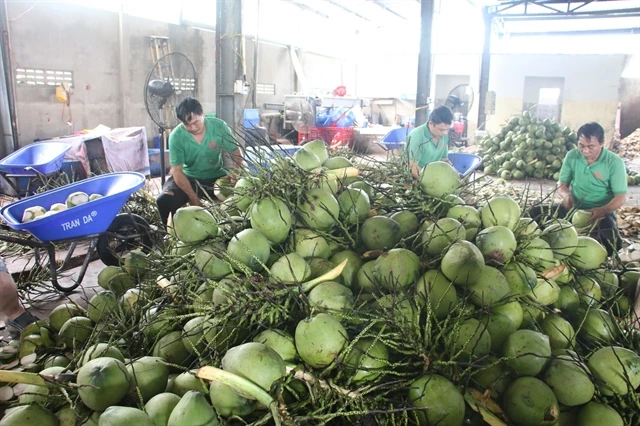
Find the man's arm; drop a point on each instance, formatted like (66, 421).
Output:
(415, 169)
(613, 205)
(564, 192)
(183, 183)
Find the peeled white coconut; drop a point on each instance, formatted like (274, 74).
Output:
(47, 214)
(76, 199)
(32, 213)
(94, 197)
(58, 207)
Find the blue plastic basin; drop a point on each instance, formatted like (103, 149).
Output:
(465, 164)
(91, 218)
(396, 138)
(45, 157)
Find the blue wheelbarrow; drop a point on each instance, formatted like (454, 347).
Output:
(109, 232)
(396, 138)
(35, 161)
(465, 164)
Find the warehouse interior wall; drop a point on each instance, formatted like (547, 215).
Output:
(590, 91)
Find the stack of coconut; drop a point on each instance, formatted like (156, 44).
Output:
(315, 295)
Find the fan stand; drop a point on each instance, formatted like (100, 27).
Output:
(162, 165)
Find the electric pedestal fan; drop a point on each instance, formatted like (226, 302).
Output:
(171, 79)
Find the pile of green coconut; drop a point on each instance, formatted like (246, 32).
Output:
(327, 290)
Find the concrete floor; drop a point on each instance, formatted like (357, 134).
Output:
(41, 308)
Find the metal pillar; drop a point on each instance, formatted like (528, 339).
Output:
(256, 57)
(9, 123)
(484, 70)
(229, 66)
(424, 63)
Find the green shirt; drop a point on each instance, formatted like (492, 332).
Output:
(594, 185)
(201, 160)
(423, 149)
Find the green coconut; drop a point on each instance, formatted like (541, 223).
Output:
(500, 210)
(463, 263)
(562, 238)
(249, 247)
(149, 376)
(136, 263)
(34, 394)
(75, 332)
(272, 218)
(532, 315)
(528, 352)
(526, 227)
(170, 348)
(497, 244)
(187, 381)
(442, 234)
(337, 162)
(520, 278)
(104, 382)
(580, 219)
(194, 410)
(354, 206)
(608, 282)
(538, 254)
(306, 160)
(546, 292)
(439, 179)
(193, 223)
(365, 281)
(227, 402)
(243, 194)
(365, 186)
(367, 360)
(101, 350)
(489, 289)
(470, 340)
(193, 334)
(596, 413)
(493, 376)
(290, 269)
(62, 313)
(256, 362)
(320, 267)
(331, 297)
(436, 290)
(354, 262)
(569, 380)
(530, 402)
(208, 261)
(589, 254)
(512, 310)
(397, 268)
(308, 244)
(468, 216)
(589, 291)
(442, 400)
(319, 210)
(499, 328)
(616, 370)
(159, 407)
(568, 300)
(598, 327)
(106, 273)
(408, 222)
(320, 339)
(319, 148)
(280, 341)
(102, 306)
(380, 232)
(132, 300)
(120, 283)
(121, 416)
(561, 333)
(32, 414)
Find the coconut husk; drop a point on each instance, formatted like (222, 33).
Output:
(629, 222)
(628, 147)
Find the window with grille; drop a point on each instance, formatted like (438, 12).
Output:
(266, 89)
(37, 77)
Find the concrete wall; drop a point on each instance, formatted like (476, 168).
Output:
(590, 91)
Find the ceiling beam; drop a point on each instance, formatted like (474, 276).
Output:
(338, 4)
(305, 7)
(384, 7)
(578, 33)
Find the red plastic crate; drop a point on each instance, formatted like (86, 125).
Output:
(335, 137)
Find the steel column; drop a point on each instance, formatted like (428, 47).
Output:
(484, 70)
(424, 62)
(229, 57)
(9, 119)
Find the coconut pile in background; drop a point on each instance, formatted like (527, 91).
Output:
(629, 147)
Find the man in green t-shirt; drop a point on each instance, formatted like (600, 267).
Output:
(197, 147)
(430, 142)
(594, 179)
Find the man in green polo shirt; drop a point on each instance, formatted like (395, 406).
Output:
(196, 154)
(594, 179)
(430, 142)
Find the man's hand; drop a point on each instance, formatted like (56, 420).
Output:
(195, 201)
(597, 214)
(567, 201)
(446, 160)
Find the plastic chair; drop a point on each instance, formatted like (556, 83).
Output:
(396, 138)
(465, 164)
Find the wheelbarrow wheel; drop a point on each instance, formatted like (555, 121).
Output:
(128, 231)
